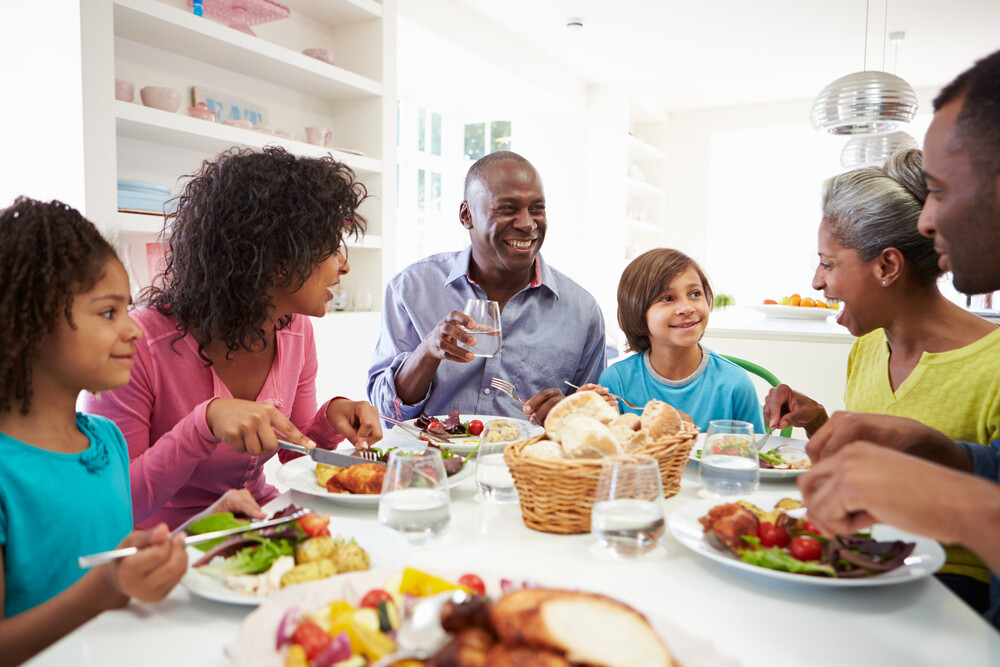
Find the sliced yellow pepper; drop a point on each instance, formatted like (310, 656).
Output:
(422, 584)
(370, 643)
(296, 657)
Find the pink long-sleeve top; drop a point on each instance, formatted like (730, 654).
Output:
(178, 468)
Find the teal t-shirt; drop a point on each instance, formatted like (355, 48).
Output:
(718, 389)
(57, 507)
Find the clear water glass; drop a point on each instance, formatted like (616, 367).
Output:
(628, 517)
(485, 327)
(729, 465)
(415, 499)
(492, 474)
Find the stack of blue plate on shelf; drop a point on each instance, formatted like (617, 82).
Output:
(143, 196)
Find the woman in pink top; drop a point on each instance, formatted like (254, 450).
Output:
(227, 358)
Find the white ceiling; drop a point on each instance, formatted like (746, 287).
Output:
(722, 52)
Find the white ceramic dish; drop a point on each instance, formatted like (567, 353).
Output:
(387, 548)
(464, 445)
(255, 645)
(926, 559)
(300, 475)
(766, 474)
(796, 312)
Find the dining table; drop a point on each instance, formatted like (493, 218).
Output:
(725, 616)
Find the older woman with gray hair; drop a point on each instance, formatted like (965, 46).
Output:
(917, 354)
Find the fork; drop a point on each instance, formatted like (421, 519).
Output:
(760, 443)
(412, 430)
(628, 403)
(507, 388)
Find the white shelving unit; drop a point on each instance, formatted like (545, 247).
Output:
(161, 43)
(645, 181)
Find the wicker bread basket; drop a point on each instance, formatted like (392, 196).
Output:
(556, 494)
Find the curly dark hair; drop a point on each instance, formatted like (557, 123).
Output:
(49, 253)
(248, 222)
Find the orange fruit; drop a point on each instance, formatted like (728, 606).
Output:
(807, 302)
(794, 300)
(820, 303)
(770, 302)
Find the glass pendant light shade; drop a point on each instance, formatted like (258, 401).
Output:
(868, 102)
(874, 149)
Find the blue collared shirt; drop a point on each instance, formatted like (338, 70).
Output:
(552, 330)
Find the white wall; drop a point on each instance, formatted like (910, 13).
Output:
(41, 112)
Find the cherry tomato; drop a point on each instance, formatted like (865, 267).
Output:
(473, 582)
(804, 547)
(775, 537)
(314, 525)
(810, 527)
(434, 424)
(475, 427)
(373, 597)
(763, 528)
(312, 638)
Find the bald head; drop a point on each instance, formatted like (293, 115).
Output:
(475, 174)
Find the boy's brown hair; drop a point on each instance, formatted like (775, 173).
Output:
(645, 280)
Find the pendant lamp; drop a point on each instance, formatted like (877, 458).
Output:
(867, 102)
(874, 150)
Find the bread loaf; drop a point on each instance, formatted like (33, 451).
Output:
(544, 449)
(587, 628)
(581, 404)
(587, 438)
(660, 419)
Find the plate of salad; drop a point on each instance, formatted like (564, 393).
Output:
(782, 458)
(860, 560)
(247, 570)
(300, 475)
(465, 431)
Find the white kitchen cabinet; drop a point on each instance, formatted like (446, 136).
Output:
(161, 43)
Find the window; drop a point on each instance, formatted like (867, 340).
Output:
(478, 143)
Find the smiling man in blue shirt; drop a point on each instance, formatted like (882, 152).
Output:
(553, 329)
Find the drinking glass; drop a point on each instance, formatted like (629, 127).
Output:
(729, 465)
(415, 498)
(627, 518)
(492, 474)
(362, 301)
(485, 327)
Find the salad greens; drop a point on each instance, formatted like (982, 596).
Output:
(251, 560)
(772, 458)
(775, 558)
(212, 523)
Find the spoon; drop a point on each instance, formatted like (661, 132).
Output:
(420, 635)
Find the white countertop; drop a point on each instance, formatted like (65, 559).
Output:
(749, 618)
(742, 322)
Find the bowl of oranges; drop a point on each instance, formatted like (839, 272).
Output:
(798, 307)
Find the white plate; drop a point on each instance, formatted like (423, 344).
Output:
(387, 548)
(300, 475)
(255, 645)
(766, 474)
(926, 559)
(795, 312)
(464, 445)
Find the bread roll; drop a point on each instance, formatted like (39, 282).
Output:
(589, 629)
(587, 438)
(544, 449)
(582, 403)
(661, 419)
(633, 440)
(628, 420)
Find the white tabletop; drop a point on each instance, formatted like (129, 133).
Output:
(754, 620)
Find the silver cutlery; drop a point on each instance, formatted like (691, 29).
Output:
(760, 443)
(414, 431)
(329, 457)
(507, 388)
(626, 402)
(108, 556)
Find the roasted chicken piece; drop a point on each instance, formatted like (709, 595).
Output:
(466, 649)
(363, 478)
(729, 523)
(524, 656)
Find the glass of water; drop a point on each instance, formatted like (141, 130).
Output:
(492, 474)
(415, 498)
(729, 465)
(628, 518)
(485, 327)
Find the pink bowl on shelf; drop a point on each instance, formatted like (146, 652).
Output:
(243, 124)
(320, 54)
(158, 97)
(202, 111)
(124, 90)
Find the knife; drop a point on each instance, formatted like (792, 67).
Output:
(115, 554)
(326, 456)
